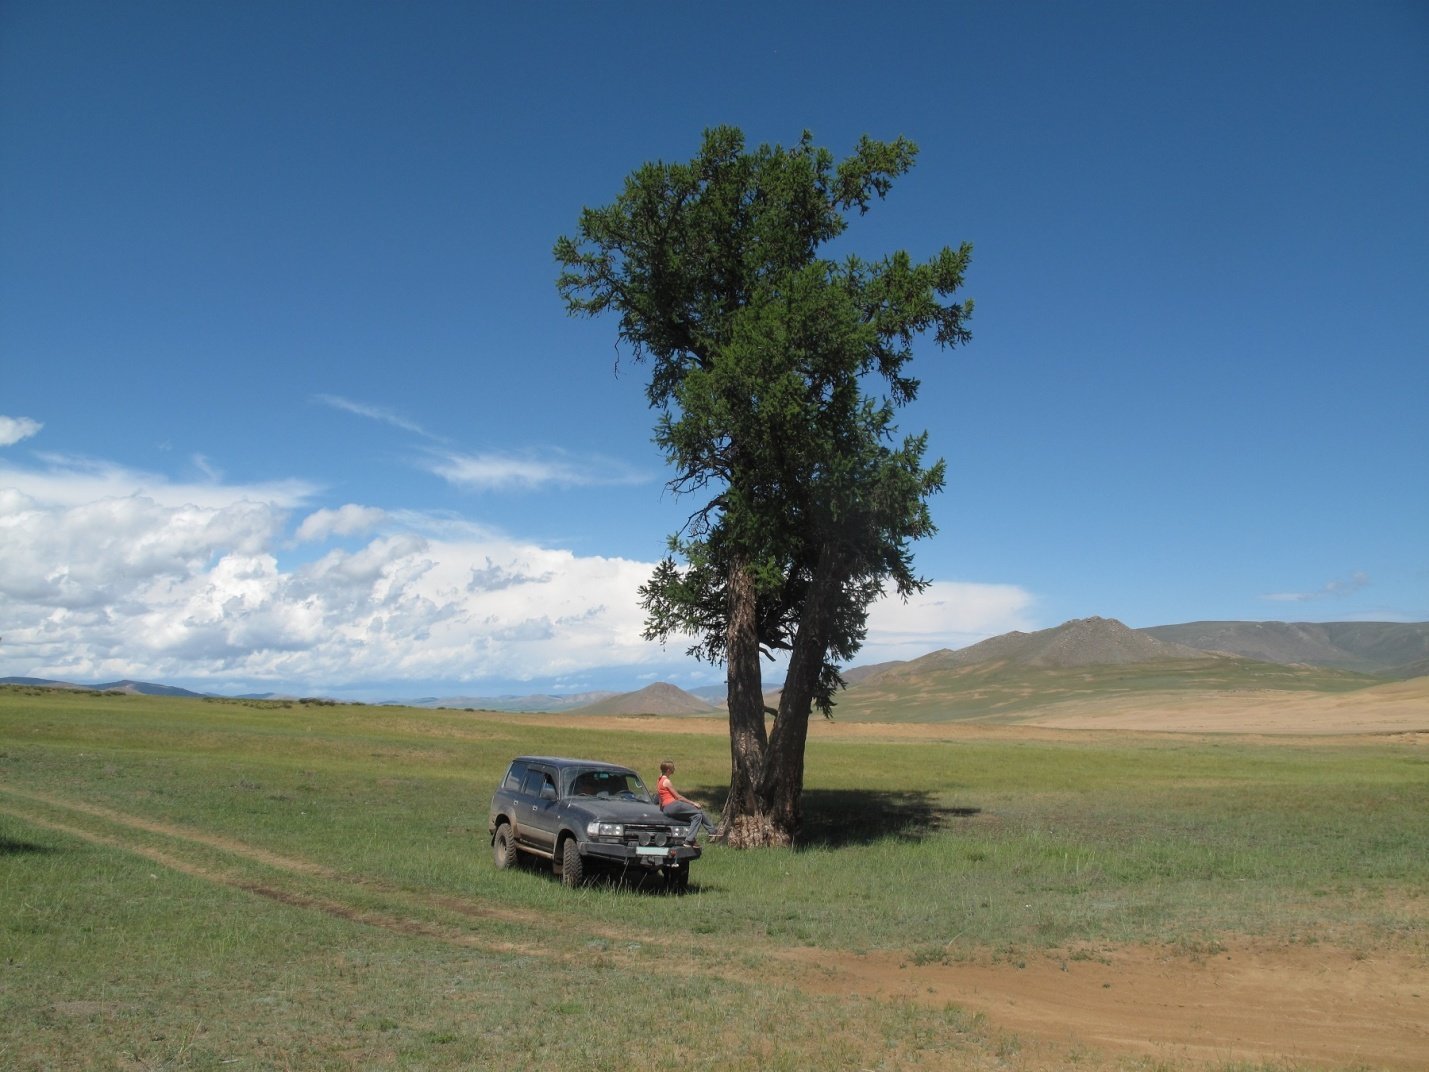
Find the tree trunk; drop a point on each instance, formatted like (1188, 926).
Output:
(748, 740)
(781, 789)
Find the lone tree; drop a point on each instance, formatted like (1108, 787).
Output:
(776, 372)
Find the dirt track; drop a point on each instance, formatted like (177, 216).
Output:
(1318, 1006)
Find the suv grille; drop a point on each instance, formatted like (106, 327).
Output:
(651, 835)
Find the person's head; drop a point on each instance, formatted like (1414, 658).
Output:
(667, 766)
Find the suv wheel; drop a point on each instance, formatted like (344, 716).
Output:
(503, 847)
(572, 866)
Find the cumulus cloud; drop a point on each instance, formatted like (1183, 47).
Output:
(187, 583)
(349, 520)
(107, 572)
(1335, 589)
(14, 429)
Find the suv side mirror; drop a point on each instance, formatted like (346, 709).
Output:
(548, 791)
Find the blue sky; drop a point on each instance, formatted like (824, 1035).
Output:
(289, 402)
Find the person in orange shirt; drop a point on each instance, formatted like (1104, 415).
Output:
(680, 807)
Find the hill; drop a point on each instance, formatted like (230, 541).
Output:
(1394, 649)
(42, 683)
(1008, 677)
(657, 699)
(1081, 642)
(145, 688)
(141, 688)
(549, 703)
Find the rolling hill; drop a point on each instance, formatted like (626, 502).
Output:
(1008, 677)
(657, 699)
(1394, 649)
(141, 688)
(1082, 642)
(548, 703)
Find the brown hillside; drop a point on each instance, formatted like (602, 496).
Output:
(1081, 642)
(658, 699)
(1398, 649)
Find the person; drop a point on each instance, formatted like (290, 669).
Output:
(680, 807)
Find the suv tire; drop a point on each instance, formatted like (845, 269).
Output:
(503, 847)
(572, 866)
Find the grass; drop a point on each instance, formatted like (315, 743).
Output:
(204, 885)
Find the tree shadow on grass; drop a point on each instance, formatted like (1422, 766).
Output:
(834, 818)
(11, 847)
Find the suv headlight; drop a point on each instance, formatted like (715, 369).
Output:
(605, 830)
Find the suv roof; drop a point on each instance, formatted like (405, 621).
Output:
(567, 761)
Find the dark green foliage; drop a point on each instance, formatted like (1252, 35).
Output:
(763, 355)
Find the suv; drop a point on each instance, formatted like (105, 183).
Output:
(582, 815)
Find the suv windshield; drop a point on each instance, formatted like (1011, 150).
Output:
(607, 784)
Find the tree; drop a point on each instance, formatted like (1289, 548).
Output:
(762, 354)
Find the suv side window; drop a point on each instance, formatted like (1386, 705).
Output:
(515, 776)
(539, 783)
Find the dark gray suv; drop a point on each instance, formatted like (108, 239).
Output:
(584, 815)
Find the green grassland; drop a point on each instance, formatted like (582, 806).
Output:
(1002, 692)
(215, 885)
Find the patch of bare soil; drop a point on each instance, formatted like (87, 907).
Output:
(1398, 710)
(1398, 707)
(1311, 1005)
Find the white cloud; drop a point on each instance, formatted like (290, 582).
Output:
(504, 471)
(373, 413)
(106, 572)
(495, 470)
(947, 614)
(211, 472)
(349, 520)
(1336, 589)
(14, 429)
(107, 550)
(66, 480)
(151, 583)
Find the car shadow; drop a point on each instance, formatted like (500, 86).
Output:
(632, 880)
(11, 847)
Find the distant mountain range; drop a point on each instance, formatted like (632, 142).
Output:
(550, 703)
(1017, 669)
(143, 688)
(1012, 670)
(1102, 660)
(1390, 649)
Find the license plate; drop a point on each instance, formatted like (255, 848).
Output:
(651, 850)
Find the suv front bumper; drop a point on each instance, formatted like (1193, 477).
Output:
(640, 855)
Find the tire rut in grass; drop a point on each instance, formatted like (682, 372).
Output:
(239, 856)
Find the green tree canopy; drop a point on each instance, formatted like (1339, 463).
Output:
(776, 373)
